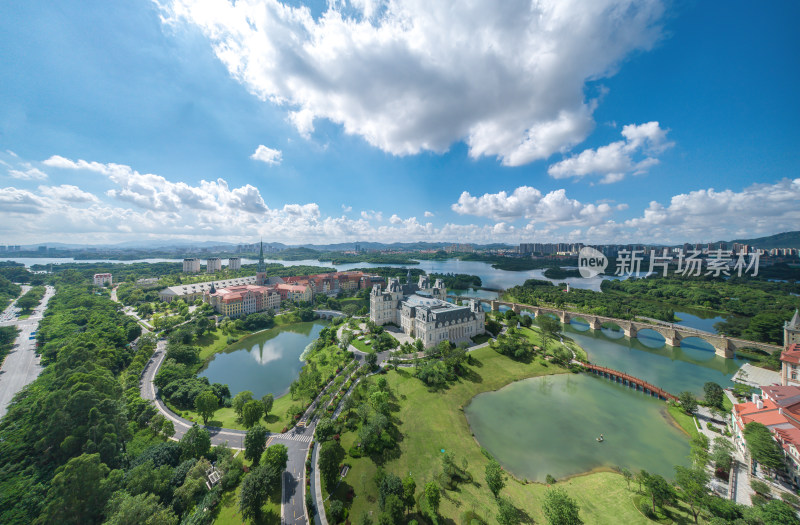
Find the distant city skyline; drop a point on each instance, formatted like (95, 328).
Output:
(605, 122)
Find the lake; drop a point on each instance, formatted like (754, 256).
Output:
(266, 362)
(490, 277)
(674, 369)
(638, 432)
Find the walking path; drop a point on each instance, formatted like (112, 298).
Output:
(22, 364)
(296, 440)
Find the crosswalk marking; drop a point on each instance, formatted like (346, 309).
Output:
(295, 437)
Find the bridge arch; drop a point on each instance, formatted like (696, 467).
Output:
(698, 346)
(651, 338)
(580, 322)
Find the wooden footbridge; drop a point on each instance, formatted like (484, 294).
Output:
(629, 380)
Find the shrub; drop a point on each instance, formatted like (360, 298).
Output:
(550, 479)
(759, 487)
(791, 499)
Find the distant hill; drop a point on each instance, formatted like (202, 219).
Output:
(779, 240)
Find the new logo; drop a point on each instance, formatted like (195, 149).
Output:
(591, 262)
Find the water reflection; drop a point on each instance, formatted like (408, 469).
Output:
(266, 362)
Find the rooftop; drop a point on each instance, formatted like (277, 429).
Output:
(791, 354)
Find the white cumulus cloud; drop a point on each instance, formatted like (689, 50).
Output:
(273, 157)
(67, 192)
(28, 173)
(529, 203)
(508, 78)
(635, 154)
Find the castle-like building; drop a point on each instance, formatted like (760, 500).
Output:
(422, 311)
(790, 357)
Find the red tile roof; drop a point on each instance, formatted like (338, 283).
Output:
(791, 354)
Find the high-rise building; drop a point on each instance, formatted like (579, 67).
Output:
(191, 265)
(213, 264)
(234, 263)
(101, 278)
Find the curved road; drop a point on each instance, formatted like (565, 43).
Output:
(296, 441)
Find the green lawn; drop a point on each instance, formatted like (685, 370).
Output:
(727, 405)
(430, 421)
(226, 417)
(361, 345)
(684, 421)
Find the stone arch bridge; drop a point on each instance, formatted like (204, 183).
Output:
(724, 346)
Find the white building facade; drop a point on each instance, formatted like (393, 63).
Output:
(422, 312)
(213, 264)
(191, 265)
(234, 263)
(102, 278)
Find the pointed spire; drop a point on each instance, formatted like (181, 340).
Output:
(261, 267)
(408, 276)
(212, 290)
(795, 322)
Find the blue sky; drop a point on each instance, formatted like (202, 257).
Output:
(606, 121)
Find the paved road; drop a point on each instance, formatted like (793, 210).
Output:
(21, 366)
(296, 441)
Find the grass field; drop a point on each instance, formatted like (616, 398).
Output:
(431, 421)
(685, 421)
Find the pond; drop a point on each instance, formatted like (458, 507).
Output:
(638, 432)
(264, 363)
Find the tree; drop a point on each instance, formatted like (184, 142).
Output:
(692, 483)
(507, 513)
(206, 404)
(641, 477)
(256, 488)
(560, 508)
(409, 488)
(79, 491)
(325, 430)
(239, 400)
(277, 457)
(371, 359)
(336, 510)
(124, 509)
(778, 513)
(698, 450)
(390, 484)
(251, 413)
(762, 446)
(688, 402)
(268, 400)
(330, 454)
(713, 394)
(494, 477)
(196, 442)
(722, 454)
(432, 495)
(255, 441)
(627, 475)
(392, 510)
(660, 491)
(549, 328)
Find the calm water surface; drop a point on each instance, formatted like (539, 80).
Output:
(264, 363)
(549, 425)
